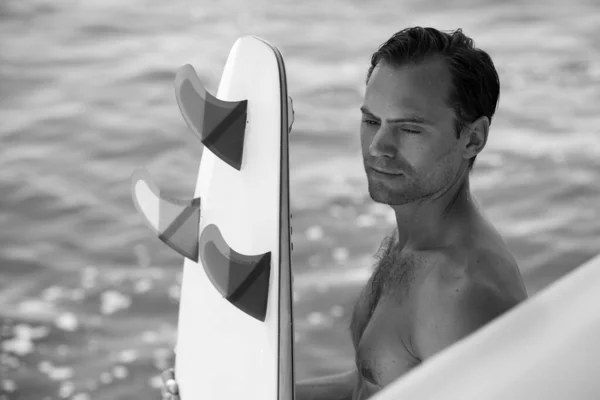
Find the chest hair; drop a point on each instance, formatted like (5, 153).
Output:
(390, 280)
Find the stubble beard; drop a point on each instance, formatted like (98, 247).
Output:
(407, 189)
(386, 193)
(393, 191)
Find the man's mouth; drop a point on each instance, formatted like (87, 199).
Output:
(385, 172)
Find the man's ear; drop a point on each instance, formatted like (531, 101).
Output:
(475, 137)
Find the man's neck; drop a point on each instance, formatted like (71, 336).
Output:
(424, 224)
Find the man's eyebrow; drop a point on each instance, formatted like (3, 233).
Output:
(415, 119)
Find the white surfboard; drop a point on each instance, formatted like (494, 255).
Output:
(235, 328)
(546, 348)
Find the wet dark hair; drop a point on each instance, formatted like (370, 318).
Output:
(475, 86)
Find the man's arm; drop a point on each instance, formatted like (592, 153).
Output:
(334, 387)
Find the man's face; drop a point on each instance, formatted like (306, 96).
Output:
(420, 157)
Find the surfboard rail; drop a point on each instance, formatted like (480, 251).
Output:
(286, 376)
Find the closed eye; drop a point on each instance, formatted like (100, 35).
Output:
(370, 122)
(375, 123)
(411, 131)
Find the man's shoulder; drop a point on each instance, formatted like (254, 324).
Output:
(480, 268)
(476, 284)
(465, 290)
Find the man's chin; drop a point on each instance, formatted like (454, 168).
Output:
(387, 198)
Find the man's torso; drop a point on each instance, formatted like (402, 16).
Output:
(392, 302)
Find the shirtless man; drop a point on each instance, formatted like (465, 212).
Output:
(445, 272)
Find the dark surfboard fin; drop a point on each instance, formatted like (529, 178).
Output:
(242, 279)
(176, 222)
(220, 125)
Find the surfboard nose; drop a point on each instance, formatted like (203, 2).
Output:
(220, 125)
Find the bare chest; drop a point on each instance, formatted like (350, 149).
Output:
(391, 289)
(382, 320)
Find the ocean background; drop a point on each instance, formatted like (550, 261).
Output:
(89, 296)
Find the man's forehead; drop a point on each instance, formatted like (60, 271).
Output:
(410, 86)
(432, 71)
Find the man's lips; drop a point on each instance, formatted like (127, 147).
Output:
(385, 172)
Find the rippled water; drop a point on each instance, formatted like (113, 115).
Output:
(89, 296)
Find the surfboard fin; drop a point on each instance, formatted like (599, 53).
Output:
(175, 221)
(220, 125)
(242, 279)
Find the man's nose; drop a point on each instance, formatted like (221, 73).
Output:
(383, 144)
